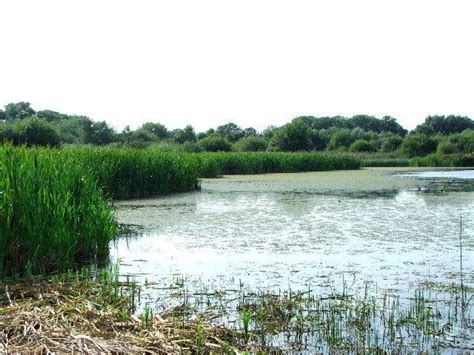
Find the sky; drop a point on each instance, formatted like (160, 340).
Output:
(253, 62)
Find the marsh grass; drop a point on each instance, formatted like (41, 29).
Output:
(439, 160)
(53, 216)
(132, 173)
(217, 164)
(350, 320)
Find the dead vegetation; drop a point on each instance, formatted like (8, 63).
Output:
(83, 316)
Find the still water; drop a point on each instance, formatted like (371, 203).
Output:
(391, 228)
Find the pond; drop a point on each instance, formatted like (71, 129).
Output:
(392, 229)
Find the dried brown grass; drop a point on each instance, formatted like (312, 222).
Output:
(74, 316)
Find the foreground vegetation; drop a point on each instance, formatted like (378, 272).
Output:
(96, 311)
(53, 214)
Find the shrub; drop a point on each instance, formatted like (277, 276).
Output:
(418, 145)
(446, 148)
(250, 144)
(361, 145)
(33, 131)
(292, 137)
(215, 144)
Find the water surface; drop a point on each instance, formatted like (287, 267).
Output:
(393, 228)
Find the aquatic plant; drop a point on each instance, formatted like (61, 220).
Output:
(246, 315)
(53, 215)
(131, 173)
(216, 164)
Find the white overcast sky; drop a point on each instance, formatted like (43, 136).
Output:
(255, 63)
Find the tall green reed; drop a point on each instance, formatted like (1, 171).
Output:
(216, 164)
(52, 213)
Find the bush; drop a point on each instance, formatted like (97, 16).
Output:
(250, 144)
(446, 148)
(391, 143)
(292, 137)
(464, 141)
(215, 144)
(361, 145)
(37, 132)
(418, 145)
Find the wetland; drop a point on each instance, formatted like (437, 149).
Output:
(388, 235)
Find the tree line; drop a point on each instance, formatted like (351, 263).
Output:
(22, 125)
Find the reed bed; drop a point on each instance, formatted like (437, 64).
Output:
(53, 207)
(133, 173)
(52, 214)
(453, 160)
(217, 164)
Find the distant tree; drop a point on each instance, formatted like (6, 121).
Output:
(215, 144)
(141, 138)
(18, 111)
(293, 136)
(184, 135)
(371, 123)
(159, 130)
(250, 144)
(341, 138)
(9, 133)
(249, 131)
(328, 122)
(391, 143)
(3, 115)
(230, 131)
(99, 133)
(418, 145)
(390, 124)
(51, 116)
(73, 129)
(33, 131)
(269, 132)
(320, 138)
(362, 145)
(444, 125)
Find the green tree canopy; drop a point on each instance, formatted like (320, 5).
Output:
(33, 131)
(418, 145)
(158, 130)
(51, 116)
(444, 125)
(250, 144)
(230, 131)
(215, 144)
(293, 136)
(184, 135)
(99, 133)
(18, 111)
